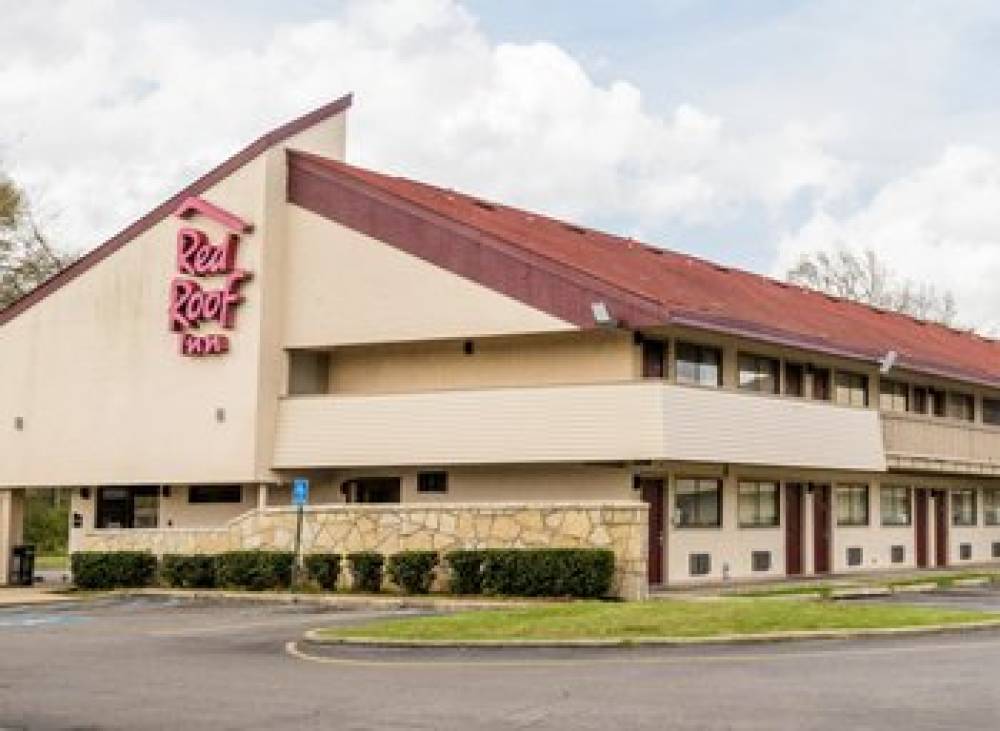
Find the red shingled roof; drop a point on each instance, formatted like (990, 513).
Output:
(692, 291)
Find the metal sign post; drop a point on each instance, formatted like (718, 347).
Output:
(300, 496)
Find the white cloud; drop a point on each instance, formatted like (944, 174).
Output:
(940, 224)
(127, 108)
(107, 107)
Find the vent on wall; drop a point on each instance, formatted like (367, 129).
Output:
(760, 560)
(898, 554)
(996, 549)
(700, 564)
(854, 556)
(965, 551)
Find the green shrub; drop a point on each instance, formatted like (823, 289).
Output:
(413, 571)
(113, 569)
(189, 572)
(324, 569)
(465, 571)
(255, 570)
(555, 572)
(366, 570)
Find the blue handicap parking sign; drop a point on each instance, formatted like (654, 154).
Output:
(300, 491)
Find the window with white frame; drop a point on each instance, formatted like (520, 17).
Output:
(698, 503)
(851, 389)
(963, 506)
(852, 505)
(896, 506)
(758, 504)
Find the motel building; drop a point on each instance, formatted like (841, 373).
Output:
(450, 372)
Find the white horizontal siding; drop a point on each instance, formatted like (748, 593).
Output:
(606, 422)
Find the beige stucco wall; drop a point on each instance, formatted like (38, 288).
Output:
(471, 484)
(591, 357)
(343, 287)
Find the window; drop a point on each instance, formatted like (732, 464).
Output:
(698, 503)
(821, 384)
(852, 504)
(895, 505)
(758, 504)
(963, 507)
(653, 359)
(852, 389)
(919, 403)
(127, 507)
(897, 554)
(432, 482)
(758, 373)
(936, 401)
(760, 560)
(699, 564)
(961, 406)
(795, 384)
(215, 494)
(893, 395)
(995, 548)
(991, 506)
(965, 551)
(699, 365)
(991, 411)
(855, 556)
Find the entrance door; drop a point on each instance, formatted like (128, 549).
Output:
(920, 526)
(941, 527)
(821, 529)
(652, 494)
(793, 529)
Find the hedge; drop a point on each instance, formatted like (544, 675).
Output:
(189, 571)
(255, 570)
(113, 569)
(324, 569)
(413, 571)
(366, 570)
(466, 571)
(555, 572)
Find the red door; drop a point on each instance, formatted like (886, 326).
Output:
(920, 526)
(821, 529)
(652, 494)
(793, 529)
(941, 527)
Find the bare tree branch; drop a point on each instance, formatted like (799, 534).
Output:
(866, 278)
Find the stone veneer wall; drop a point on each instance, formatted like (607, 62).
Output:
(618, 525)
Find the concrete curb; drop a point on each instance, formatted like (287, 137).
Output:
(313, 637)
(334, 601)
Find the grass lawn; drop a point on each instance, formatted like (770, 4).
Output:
(676, 618)
(51, 563)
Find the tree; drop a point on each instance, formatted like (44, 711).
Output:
(866, 278)
(26, 257)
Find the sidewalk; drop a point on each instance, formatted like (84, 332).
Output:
(15, 596)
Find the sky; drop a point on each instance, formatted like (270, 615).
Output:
(746, 132)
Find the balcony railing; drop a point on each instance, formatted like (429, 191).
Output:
(644, 420)
(927, 443)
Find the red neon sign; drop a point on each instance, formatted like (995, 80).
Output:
(192, 304)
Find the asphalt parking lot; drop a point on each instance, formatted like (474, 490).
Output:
(169, 664)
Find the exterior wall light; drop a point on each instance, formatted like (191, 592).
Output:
(220, 415)
(18, 423)
(602, 315)
(886, 364)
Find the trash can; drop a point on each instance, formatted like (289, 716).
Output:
(23, 566)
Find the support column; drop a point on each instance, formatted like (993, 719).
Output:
(261, 496)
(11, 528)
